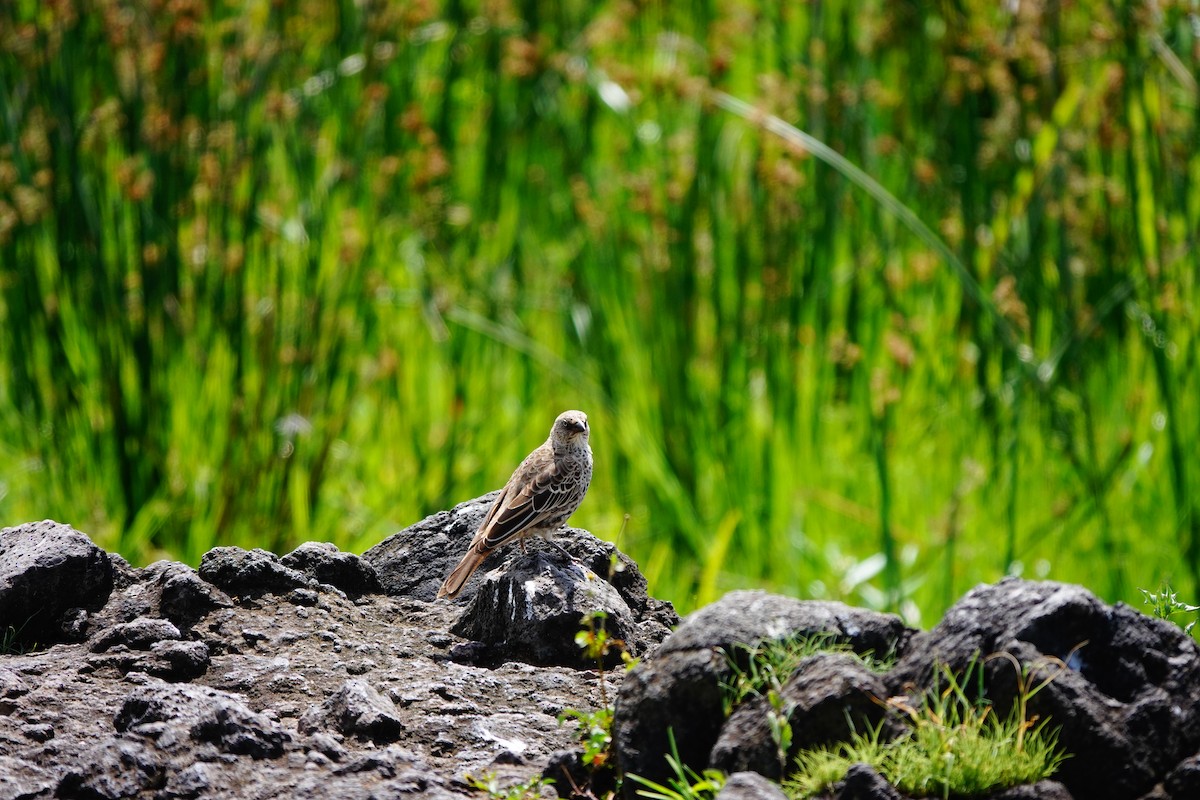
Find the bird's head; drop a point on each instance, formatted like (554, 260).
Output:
(571, 427)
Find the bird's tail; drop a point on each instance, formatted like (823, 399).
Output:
(459, 575)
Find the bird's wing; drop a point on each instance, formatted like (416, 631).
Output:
(523, 505)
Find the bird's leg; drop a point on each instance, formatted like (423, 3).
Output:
(521, 541)
(568, 554)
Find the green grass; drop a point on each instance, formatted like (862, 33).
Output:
(956, 745)
(283, 271)
(767, 666)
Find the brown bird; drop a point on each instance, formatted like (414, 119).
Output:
(537, 500)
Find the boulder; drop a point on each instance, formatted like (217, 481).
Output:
(51, 575)
(679, 688)
(1124, 688)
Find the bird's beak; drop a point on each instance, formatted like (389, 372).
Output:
(578, 427)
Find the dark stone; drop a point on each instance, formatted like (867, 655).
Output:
(862, 782)
(826, 699)
(752, 617)
(1042, 790)
(750, 786)
(1124, 688)
(113, 770)
(249, 573)
(202, 715)
(679, 687)
(47, 570)
(679, 691)
(1184, 780)
(136, 635)
(185, 598)
(357, 709)
(532, 610)
(323, 562)
(20, 779)
(413, 562)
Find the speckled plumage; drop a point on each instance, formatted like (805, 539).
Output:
(537, 500)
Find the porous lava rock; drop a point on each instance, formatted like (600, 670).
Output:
(297, 677)
(51, 575)
(1121, 688)
(261, 676)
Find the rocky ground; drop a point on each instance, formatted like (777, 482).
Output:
(322, 674)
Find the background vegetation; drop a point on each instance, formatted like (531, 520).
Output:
(298, 269)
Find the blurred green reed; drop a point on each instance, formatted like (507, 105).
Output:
(279, 271)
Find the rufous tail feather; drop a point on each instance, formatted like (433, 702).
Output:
(455, 580)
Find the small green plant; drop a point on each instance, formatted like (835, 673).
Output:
(595, 727)
(687, 784)
(595, 733)
(1166, 604)
(10, 642)
(956, 744)
(523, 790)
(766, 666)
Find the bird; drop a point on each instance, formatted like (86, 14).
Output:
(542, 493)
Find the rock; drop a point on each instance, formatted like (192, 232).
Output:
(862, 782)
(524, 606)
(47, 570)
(20, 780)
(112, 770)
(531, 610)
(357, 709)
(173, 714)
(184, 597)
(324, 563)
(1184, 780)
(137, 635)
(1042, 790)
(826, 699)
(679, 688)
(415, 561)
(249, 573)
(750, 786)
(246, 677)
(270, 697)
(1124, 688)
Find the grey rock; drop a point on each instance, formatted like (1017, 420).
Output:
(11, 684)
(750, 786)
(413, 562)
(1184, 780)
(20, 780)
(827, 698)
(679, 687)
(245, 675)
(191, 781)
(524, 606)
(1125, 688)
(137, 635)
(753, 617)
(249, 573)
(172, 714)
(324, 563)
(184, 597)
(113, 770)
(357, 709)
(1042, 790)
(864, 783)
(47, 570)
(531, 610)
(679, 691)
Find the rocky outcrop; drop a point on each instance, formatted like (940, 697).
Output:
(323, 674)
(1123, 688)
(262, 676)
